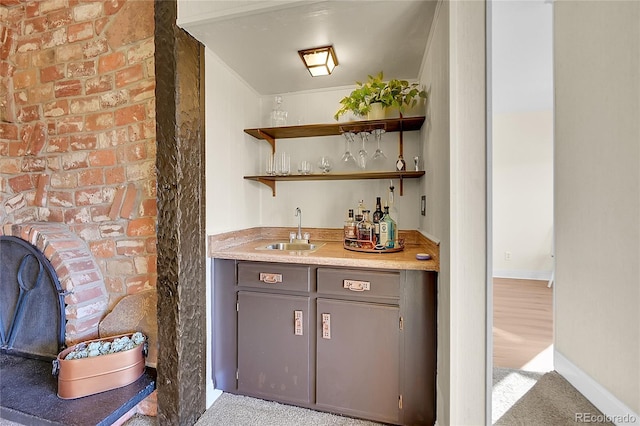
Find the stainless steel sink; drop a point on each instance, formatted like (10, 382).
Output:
(287, 246)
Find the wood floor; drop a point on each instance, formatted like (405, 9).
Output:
(522, 321)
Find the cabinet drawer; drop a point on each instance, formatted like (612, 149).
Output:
(368, 284)
(273, 275)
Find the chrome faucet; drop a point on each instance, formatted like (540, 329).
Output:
(299, 216)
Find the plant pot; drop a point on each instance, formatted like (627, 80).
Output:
(392, 112)
(349, 117)
(377, 112)
(88, 376)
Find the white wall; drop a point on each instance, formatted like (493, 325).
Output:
(597, 194)
(231, 106)
(522, 138)
(454, 149)
(325, 203)
(467, 250)
(523, 194)
(435, 77)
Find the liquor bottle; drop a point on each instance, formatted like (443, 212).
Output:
(384, 228)
(377, 215)
(365, 232)
(350, 227)
(361, 208)
(393, 211)
(387, 230)
(400, 164)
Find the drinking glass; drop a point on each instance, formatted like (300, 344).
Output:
(378, 134)
(304, 168)
(286, 164)
(378, 157)
(347, 158)
(283, 164)
(324, 164)
(269, 166)
(362, 154)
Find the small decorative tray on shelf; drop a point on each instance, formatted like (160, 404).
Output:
(366, 246)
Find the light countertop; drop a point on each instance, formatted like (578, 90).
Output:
(244, 244)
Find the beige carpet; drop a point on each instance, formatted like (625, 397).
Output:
(235, 410)
(552, 401)
(509, 385)
(546, 400)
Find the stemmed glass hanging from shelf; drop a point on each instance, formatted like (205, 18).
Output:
(362, 154)
(378, 157)
(348, 160)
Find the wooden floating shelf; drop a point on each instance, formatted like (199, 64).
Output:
(342, 176)
(270, 180)
(270, 134)
(400, 124)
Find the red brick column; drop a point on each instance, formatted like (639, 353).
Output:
(77, 271)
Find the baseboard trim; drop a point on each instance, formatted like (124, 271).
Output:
(522, 275)
(615, 410)
(212, 395)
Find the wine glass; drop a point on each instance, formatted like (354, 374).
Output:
(362, 154)
(378, 154)
(347, 158)
(378, 157)
(324, 164)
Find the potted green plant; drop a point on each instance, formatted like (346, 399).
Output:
(391, 94)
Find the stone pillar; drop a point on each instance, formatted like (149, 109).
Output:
(181, 221)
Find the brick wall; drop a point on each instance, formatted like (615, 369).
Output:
(77, 128)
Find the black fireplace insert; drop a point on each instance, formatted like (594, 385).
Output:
(32, 308)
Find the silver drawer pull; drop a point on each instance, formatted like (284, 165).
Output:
(269, 278)
(355, 285)
(297, 321)
(326, 326)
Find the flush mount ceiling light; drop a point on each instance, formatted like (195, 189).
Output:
(319, 60)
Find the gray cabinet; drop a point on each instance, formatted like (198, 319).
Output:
(273, 346)
(358, 359)
(345, 340)
(273, 315)
(358, 343)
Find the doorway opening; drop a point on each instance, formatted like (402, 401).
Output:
(521, 167)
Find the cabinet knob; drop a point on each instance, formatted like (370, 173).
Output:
(270, 278)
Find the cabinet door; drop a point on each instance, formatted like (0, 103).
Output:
(358, 359)
(273, 346)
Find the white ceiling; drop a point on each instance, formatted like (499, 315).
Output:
(259, 40)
